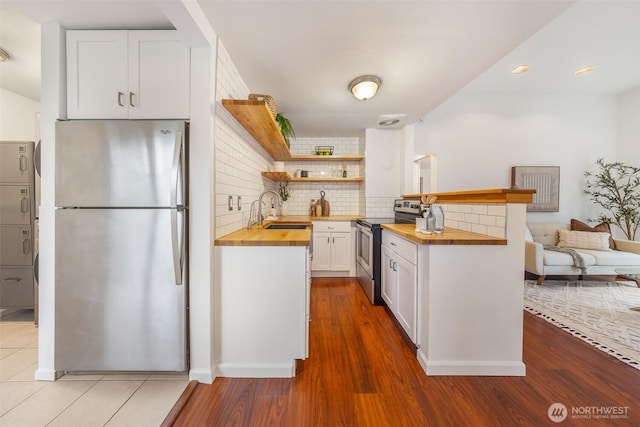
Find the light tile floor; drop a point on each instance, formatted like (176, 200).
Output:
(74, 400)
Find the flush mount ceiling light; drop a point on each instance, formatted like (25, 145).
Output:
(584, 70)
(4, 55)
(365, 87)
(520, 69)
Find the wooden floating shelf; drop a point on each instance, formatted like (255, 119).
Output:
(494, 195)
(256, 118)
(283, 176)
(311, 157)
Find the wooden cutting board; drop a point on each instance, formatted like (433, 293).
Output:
(325, 204)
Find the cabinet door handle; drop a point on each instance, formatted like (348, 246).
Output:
(121, 99)
(131, 99)
(334, 241)
(12, 279)
(24, 205)
(328, 240)
(395, 266)
(393, 244)
(391, 264)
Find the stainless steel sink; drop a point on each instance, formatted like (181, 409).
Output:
(285, 226)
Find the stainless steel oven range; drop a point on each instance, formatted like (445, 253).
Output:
(369, 245)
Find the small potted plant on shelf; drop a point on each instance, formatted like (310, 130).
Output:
(283, 191)
(286, 129)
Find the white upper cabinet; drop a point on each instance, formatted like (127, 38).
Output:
(127, 75)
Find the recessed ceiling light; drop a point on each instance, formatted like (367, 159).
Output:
(4, 55)
(584, 70)
(520, 69)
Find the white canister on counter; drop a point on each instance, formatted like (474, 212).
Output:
(278, 166)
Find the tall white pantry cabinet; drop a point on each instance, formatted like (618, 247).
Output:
(127, 75)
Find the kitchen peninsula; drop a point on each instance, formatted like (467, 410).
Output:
(468, 317)
(263, 301)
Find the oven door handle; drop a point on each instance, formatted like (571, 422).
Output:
(364, 230)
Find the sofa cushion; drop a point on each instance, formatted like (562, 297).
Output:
(558, 258)
(603, 227)
(527, 235)
(583, 240)
(546, 234)
(614, 258)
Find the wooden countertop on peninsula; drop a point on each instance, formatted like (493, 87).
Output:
(259, 236)
(450, 236)
(494, 195)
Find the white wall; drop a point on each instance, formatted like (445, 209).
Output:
(17, 117)
(384, 170)
(478, 138)
(629, 127)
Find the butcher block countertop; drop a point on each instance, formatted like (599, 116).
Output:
(259, 236)
(450, 236)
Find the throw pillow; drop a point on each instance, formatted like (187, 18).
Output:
(584, 240)
(603, 227)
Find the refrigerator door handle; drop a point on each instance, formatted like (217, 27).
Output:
(175, 170)
(175, 246)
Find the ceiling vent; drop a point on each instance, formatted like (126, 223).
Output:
(391, 120)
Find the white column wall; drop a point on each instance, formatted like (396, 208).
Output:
(53, 89)
(17, 117)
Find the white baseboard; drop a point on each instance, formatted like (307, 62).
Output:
(203, 376)
(45, 375)
(471, 367)
(272, 370)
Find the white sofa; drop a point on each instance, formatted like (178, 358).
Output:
(542, 262)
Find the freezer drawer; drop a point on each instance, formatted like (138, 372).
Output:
(16, 245)
(15, 204)
(16, 287)
(118, 307)
(119, 163)
(16, 162)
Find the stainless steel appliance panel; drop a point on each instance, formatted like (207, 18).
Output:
(118, 163)
(16, 287)
(118, 307)
(16, 162)
(366, 282)
(364, 248)
(16, 245)
(15, 204)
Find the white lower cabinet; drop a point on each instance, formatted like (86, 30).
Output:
(400, 280)
(332, 249)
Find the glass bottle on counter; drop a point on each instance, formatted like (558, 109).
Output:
(438, 218)
(428, 213)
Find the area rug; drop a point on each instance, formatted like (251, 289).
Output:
(596, 312)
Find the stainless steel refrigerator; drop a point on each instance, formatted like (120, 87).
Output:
(121, 236)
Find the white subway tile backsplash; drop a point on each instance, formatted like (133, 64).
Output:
(497, 210)
(479, 209)
(488, 219)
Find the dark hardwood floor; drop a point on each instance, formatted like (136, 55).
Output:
(361, 373)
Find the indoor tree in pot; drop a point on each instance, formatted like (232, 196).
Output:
(616, 187)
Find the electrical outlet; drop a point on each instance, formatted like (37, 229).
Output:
(239, 205)
(230, 203)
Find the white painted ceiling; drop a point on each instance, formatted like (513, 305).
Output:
(305, 52)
